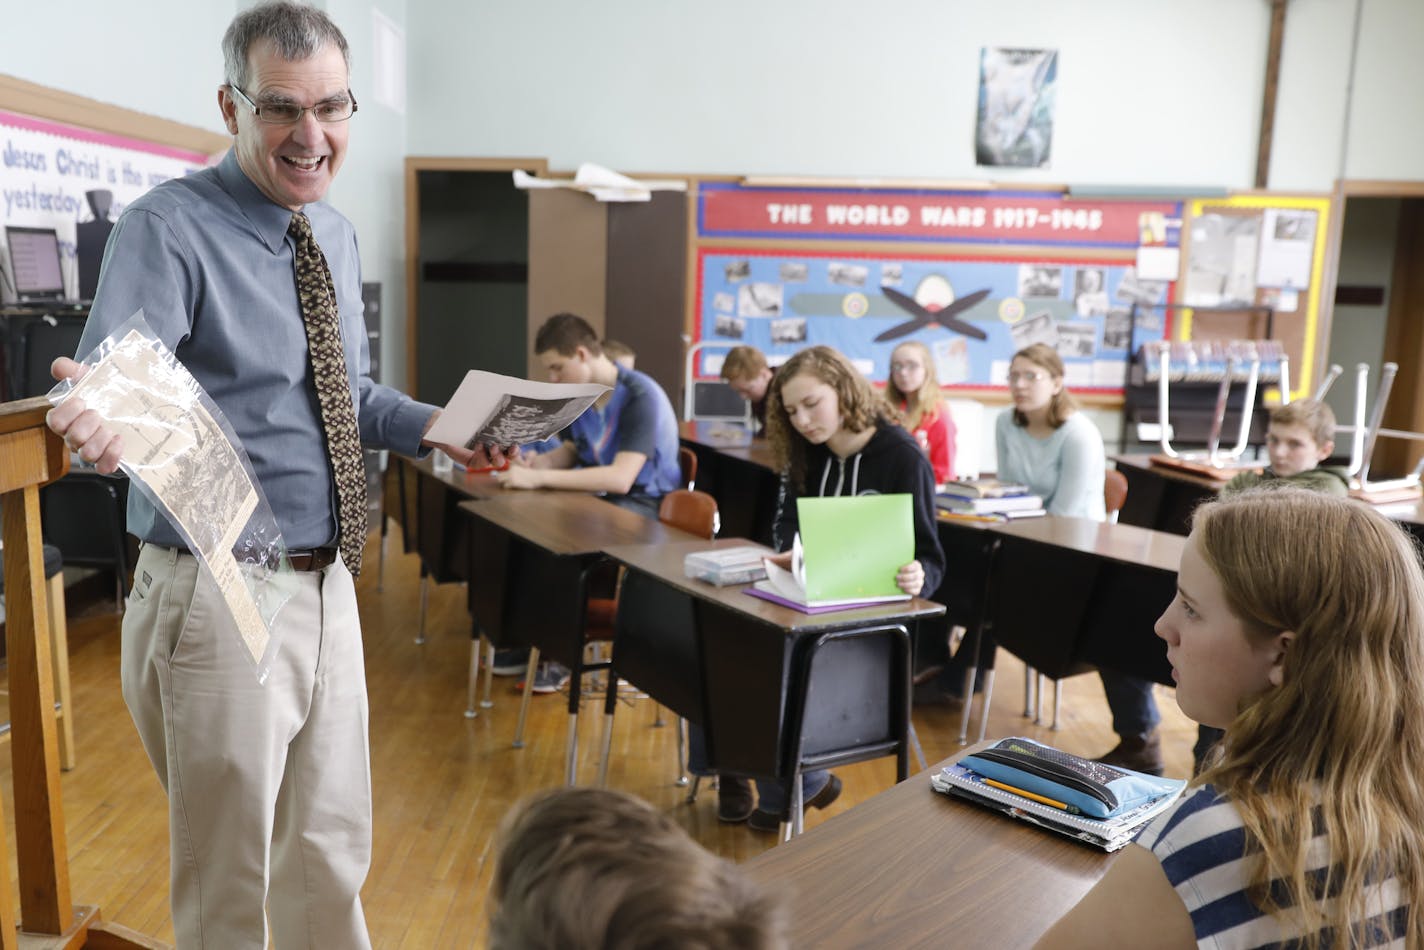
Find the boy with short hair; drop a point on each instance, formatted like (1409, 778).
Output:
(745, 369)
(1301, 436)
(620, 353)
(588, 868)
(625, 445)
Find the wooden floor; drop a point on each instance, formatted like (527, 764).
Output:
(441, 781)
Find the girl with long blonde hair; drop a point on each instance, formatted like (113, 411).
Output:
(1298, 628)
(913, 388)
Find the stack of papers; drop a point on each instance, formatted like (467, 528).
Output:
(989, 496)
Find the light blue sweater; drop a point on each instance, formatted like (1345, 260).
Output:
(1066, 468)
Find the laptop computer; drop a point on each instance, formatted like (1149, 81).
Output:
(34, 264)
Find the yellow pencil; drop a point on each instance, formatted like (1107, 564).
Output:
(1071, 809)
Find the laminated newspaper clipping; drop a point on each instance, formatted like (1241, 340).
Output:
(181, 453)
(501, 410)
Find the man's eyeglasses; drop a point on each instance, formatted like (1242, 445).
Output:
(289, 113)
(1027, 376)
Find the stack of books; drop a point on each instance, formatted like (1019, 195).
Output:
(1101, 805)
(988, 498)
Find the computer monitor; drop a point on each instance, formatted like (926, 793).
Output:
(34, 263)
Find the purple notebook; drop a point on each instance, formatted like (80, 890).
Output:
(805, 609)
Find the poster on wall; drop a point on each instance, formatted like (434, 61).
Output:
(1016, 93)
(52, 176)
(865, 305)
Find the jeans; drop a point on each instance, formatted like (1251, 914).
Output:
(774, 795)
(1134, 711)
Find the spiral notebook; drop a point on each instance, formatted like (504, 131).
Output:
(1109, 834)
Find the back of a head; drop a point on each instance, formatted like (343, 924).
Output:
(743, 362)
(1347, 582)
(1315, 416)
(594, 869)
(295, 30)
(564, 333)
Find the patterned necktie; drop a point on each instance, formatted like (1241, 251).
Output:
(333, 389)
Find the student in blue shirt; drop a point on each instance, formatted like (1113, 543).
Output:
(624, 446)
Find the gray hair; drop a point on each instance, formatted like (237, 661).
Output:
(296, 30)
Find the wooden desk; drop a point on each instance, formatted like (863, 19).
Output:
(739, 472)
(1161, 498)
(1097, 591)
(438, 538)
(533, 558)
(731, 662)
(914, 868)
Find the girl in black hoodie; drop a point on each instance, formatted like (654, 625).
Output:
(833, 434)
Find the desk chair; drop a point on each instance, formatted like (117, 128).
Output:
(59, 653)
(691, 511)
(83, 514)
(658, 613)
(687, 462)
(1114, 496)
(968, 417)
(850, 676)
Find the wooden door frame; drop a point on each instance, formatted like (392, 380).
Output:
(414, 165)
(1403, 335)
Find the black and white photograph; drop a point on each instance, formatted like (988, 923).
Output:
(1090, 296)
(1136, 290)
(759, 300)
(790, 330)
(737, 271)
(1040, 280)
(849, 275)
(723, 302)
(793, 272)
(1117, 329)
(733, 328)
(1016, 96)
(520, 420)
(891, 275)
(1077, 339)
(1039, 328)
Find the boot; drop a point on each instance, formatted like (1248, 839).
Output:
(1139, 753)
(734, 799)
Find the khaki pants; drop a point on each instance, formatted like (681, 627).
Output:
(269, 786)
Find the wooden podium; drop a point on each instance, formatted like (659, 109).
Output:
(31, 456)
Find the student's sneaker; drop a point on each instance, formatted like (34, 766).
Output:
(511, 662)
(549, 678)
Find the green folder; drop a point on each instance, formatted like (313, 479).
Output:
(854, 546)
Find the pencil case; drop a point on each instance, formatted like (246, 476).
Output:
(1081, 785)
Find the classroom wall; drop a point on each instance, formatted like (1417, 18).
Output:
(1154, 94)
(163, 57)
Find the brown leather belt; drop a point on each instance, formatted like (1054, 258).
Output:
(318, 559)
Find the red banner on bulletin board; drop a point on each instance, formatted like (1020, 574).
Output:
(884, 214)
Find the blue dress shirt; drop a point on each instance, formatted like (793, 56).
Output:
(208, 261)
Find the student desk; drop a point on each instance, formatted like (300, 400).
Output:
(1161, 498)
(531, 556)
(914, 868)
(438, 540)
(735, 663)
(1097, 591)
(738, 471)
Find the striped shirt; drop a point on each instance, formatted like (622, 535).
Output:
(1202, 845)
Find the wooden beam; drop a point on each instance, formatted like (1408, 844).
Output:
(1268, 95)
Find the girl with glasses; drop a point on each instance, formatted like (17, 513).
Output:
(914, 390)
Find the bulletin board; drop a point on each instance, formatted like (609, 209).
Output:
(55, 147)
(1264, 251)
(785, 268)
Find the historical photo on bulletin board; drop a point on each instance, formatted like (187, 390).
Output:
(1016, 92)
